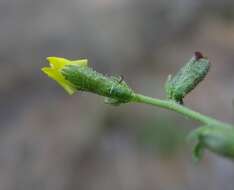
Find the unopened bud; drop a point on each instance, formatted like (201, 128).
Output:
(187, 78)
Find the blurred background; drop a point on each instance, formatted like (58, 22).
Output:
(52, 141)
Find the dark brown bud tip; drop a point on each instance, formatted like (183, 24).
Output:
(198, 55)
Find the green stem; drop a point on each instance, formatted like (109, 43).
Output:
(171, 105)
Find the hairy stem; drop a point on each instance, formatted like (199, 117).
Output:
(171, 105)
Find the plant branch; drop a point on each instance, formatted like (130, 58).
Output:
(171, 105)
(214, 135)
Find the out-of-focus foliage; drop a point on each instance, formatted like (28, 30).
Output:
(161, 136)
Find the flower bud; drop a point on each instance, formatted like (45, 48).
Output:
(76, 75)
(217, 139)
(187, 78)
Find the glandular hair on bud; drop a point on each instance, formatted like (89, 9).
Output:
(217, 139)
(86, 79)
(187, 78)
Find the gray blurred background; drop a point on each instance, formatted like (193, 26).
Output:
(52, 141)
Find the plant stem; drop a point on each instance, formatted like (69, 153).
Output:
(171, 105)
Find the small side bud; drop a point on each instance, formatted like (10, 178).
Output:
(187, 78)
(214, 138)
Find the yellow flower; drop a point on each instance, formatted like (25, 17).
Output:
(76, 75)
(54, 71)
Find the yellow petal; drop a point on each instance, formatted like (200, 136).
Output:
(57, 76)
(81, 62)
(56, 64)
(59, 62)
(54, 73)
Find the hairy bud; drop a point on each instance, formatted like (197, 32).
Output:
(187, 78)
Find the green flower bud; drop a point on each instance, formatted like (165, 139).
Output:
(188, 77)
(76, 75)
(217, 139)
